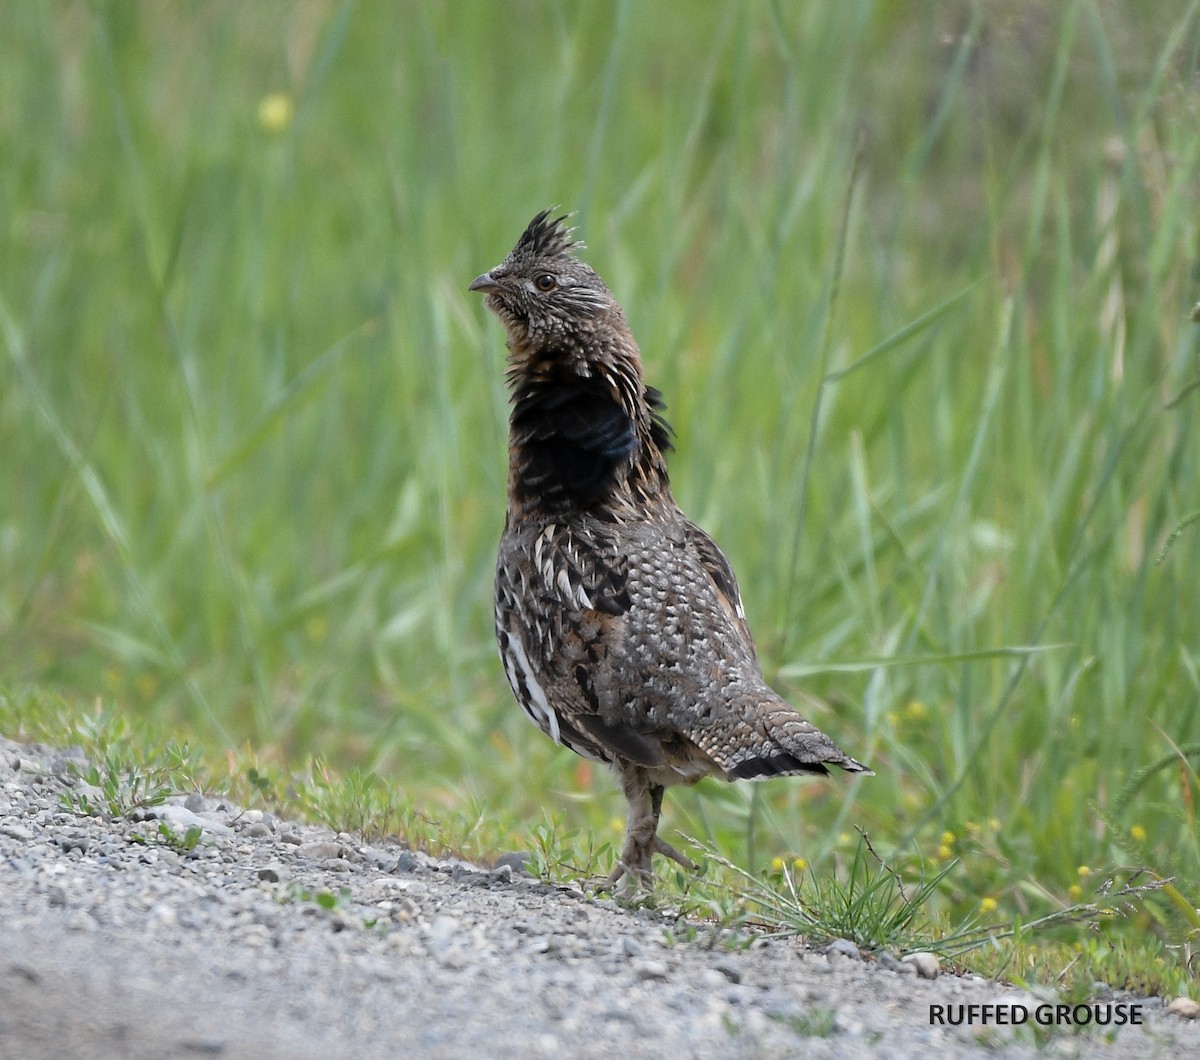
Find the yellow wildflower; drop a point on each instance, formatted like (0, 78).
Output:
(317, 628)
(275, 112)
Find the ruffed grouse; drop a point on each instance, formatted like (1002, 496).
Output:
(619, 621)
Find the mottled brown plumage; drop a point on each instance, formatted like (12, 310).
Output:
(619, 621)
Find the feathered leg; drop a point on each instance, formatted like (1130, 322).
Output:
(641, 831)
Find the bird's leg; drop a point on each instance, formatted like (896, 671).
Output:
(640, 828)
(661, 846)
(641, 831)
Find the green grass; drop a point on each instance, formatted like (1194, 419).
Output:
(917, 285)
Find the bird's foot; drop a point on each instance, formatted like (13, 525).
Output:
(633, 870)
(631, 879)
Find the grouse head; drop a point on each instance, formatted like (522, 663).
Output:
(545, 296)
(585, 431)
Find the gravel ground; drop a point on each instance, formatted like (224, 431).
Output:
(114, 948)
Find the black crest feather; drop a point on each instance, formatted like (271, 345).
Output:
(547, 237)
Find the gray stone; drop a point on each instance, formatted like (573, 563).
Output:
(1184, 1007)
(729, 970)
(518, 860)
(630, 946)
(406, 861)
(441, 931)
(323, 850)
(651, 969)
(843, 948)
(925, 963)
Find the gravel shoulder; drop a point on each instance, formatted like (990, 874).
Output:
(110, 947)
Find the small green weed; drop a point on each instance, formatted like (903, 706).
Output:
(564, 855)
(817, 1022)
(359, 802)
(327, 900)
(121, 782)
(183, 844)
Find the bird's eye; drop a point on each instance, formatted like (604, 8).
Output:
(545, 282)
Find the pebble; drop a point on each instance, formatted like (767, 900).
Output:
(380, 859)
(517, 860)
(886, 960)
(729, 970)
(1184, 1007)
(843, 948)
(925, 963)
(630, 946)
(651, 969)
(204, 1046)
(441, 930)
(393, 883)
(179, 819)
(323, 850)
(847, 1023)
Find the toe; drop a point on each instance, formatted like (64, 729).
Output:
(661, 846)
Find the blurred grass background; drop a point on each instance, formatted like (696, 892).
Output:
(253, 425)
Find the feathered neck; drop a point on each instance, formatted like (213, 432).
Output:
(585, 431)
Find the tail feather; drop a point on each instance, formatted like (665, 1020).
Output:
(776, 741)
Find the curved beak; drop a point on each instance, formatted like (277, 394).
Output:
(485, 282)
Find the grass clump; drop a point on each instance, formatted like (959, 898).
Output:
(870, 904)
(120, 781)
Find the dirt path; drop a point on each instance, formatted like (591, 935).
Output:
(276, 940)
